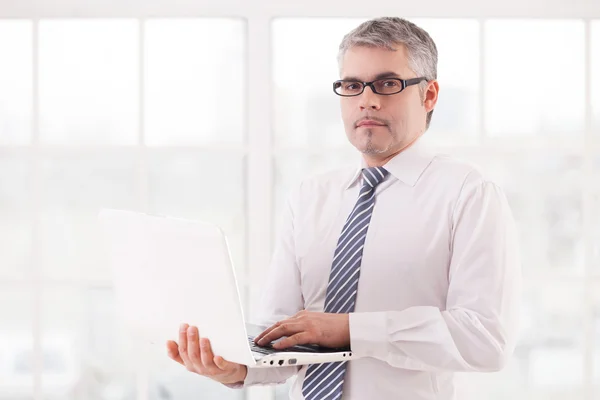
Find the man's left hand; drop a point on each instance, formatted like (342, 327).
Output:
(306, 327)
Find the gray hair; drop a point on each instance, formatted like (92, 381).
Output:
(387, 33)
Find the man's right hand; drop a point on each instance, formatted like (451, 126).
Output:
(195, 353)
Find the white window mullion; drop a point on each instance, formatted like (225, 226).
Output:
(142, 184)
(587, 214)
(307, 8)
(37, 202)
(482, 136)
(259, 166)
(142, 368)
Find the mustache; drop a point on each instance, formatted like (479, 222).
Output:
(380, 120)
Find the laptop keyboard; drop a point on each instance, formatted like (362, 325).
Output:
(268, 349)
(260, 349)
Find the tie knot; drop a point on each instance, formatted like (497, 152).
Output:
(374, 176)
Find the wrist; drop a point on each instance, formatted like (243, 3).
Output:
(236, 379)
(241, 376)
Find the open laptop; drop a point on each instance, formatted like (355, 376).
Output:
(167, 271)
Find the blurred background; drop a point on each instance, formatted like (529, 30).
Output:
(132, 104)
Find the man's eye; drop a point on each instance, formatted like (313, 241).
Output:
(390, 84)
(352, 86)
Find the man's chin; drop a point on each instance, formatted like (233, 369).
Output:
(376, 151)
(370, 148)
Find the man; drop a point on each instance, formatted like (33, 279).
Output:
(411, 260)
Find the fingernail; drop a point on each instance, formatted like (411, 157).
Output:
(191, 331)
(182, 327)
(204, 342)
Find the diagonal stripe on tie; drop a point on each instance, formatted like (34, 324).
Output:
(324, 381)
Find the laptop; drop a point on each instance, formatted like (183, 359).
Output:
(167, 271)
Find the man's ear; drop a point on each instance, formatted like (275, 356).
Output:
(430, 96)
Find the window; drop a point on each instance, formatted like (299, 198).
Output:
(595, 67)
(532, 93)
(148, 110)
(194, 76)
(15, 82)
(133, 115)
(88, 78)
(16, 342)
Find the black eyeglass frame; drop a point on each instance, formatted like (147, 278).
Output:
(404, 84)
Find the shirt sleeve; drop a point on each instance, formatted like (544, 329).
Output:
(477, 330)
(282, 294)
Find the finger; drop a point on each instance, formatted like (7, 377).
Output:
(208, 356)
(298, 338)
(193, 350)
(285, 329)
(183, 345)
(258, 338)
(173, 352)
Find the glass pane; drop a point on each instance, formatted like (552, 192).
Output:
(74, 189)
(87, 355)
(594, 219)
(307, 114)
(595, 48)
(15, 82)
(16, 343)
(456, 114)
(194, 81)
(596, 338)
(545, 193)
(535, 78)
(187, 185)
(15, 214)
(548, 361)
(89, 81)
(290, 169)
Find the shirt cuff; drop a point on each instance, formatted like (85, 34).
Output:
(368, 334)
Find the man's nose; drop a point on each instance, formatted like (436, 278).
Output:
(369, 99)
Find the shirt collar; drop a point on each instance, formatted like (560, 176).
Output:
(407, 166)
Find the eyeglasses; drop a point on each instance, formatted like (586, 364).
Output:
(385, 87)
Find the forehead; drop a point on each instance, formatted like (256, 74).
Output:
(368, 62)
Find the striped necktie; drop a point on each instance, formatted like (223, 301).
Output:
(324, 381)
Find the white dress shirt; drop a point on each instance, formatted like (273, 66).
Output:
(439, 281)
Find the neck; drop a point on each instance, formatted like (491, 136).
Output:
(379, 160)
